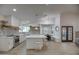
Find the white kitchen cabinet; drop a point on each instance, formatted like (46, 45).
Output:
(6, 43)
(22, 38)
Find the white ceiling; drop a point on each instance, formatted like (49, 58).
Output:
(30, 12)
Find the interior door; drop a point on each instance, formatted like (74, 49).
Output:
(70, 33)
(67, 33)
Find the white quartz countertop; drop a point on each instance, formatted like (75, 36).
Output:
(36, 36)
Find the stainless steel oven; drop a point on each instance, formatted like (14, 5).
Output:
(16, 40)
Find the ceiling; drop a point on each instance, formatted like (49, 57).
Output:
(30, 12)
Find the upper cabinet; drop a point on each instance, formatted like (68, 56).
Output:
(11, 20)
(5, 19)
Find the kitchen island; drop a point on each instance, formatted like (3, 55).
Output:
(35, 41)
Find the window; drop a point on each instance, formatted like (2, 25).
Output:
(24, 29)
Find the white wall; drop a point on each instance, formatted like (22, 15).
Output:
(14, 21)
(77, 23)
(58, 33)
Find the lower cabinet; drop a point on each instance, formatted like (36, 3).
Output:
(77, 41)
(6, 43)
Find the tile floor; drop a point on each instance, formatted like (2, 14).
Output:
(54, 48)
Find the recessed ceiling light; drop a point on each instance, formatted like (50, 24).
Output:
(14, 9)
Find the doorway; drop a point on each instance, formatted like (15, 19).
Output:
(67, 33)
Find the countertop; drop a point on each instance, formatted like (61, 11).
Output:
(36, 36)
